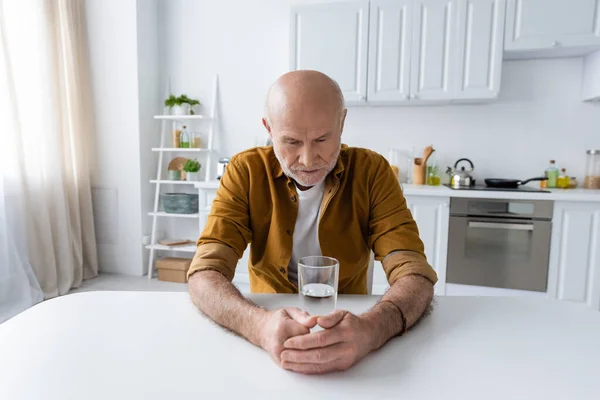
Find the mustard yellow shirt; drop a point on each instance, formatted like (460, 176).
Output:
(362, 210)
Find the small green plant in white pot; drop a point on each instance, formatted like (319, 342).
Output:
(192, 170)
(175, 105)
(181, 105)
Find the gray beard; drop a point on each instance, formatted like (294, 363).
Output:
(290, 174)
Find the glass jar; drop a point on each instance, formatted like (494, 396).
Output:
(572, 182)
(592, 170)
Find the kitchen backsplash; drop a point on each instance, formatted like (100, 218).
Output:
(538, 117)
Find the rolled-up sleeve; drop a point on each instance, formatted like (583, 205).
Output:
(227, 232)
(393, 233)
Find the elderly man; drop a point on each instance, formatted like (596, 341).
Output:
(310, 195)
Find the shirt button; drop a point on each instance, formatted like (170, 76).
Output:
(282, 270)
(289, 231)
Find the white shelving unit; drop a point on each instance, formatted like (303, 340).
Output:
(168, 124)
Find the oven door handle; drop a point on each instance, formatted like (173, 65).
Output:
(500, 225)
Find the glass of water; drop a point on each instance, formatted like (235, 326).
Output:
(318, 284)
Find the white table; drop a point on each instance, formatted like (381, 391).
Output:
(149, 345)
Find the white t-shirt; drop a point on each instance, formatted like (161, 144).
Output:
(306, 231)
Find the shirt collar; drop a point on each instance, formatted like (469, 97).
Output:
(339, 166)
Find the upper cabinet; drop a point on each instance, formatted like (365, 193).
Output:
(332, 38)
(433, 50)
(417, 51)
(480, 39)
(591, 77)
(552, 27)
(390, 50)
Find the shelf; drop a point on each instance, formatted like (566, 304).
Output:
(174, 182)
(207, 185)
(185, 249)
(181, 117)
(166, 214)
(181, 149)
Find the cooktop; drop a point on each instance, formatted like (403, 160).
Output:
(492, 189)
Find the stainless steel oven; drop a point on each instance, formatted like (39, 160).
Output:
(499, 243)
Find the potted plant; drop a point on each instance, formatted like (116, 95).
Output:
(192, 168)
(176, 106)
(191, 103)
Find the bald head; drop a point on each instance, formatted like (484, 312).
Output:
(305, 116)
(301, 92)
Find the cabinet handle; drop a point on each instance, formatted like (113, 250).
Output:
(360, 97)
(555, 44)
(415, 96)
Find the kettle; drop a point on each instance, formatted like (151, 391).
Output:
(221, 166)
(461, 178)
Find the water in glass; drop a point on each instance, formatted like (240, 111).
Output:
(317, 284)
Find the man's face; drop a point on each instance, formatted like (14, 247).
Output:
(307, 144)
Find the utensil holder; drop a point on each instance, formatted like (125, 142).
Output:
(419, 172)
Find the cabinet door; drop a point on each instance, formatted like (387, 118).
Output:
(480, 47)
(332, 38)
(574, 271)
(432, 215)
(433, 50)
(390, 32)
(544, 24)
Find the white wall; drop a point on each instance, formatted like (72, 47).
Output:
(150, 96)
(539, 115)
(111, 34)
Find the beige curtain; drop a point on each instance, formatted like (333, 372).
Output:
(45, 162)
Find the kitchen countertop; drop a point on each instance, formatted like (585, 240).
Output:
(554, 194)
(153, 345)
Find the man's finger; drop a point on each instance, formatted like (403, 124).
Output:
(312, 368)
(314, 356)
(330, 320)
(302, 317)
(314, 340)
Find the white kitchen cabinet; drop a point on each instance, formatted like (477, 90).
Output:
(591, 77)
(416, 51)
(552, 25)
(574, 270)
(332, 38)
(433, 50)
(479, 49)
(390, 50)
(432, 215)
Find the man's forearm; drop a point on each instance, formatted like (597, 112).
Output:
(411, 294)
(219, 299)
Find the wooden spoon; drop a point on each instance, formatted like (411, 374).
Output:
(427, 153)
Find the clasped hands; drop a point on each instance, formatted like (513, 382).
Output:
(344, 340)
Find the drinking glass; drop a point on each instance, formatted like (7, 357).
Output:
(318, 284)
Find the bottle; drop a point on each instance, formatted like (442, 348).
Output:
(552, 174)
(563, 180)
(184, 138)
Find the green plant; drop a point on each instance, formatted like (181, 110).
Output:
(191, 166)
(192, 102)
(172, 101)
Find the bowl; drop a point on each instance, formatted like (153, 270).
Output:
(179, 203)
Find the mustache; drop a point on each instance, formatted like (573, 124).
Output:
(303, 169)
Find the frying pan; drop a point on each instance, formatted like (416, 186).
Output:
(511, 183)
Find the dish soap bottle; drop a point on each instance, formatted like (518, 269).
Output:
(563, 180)
(184, 138)
(552, 174)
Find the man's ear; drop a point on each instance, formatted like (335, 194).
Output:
(266, 125)
(344, 113)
